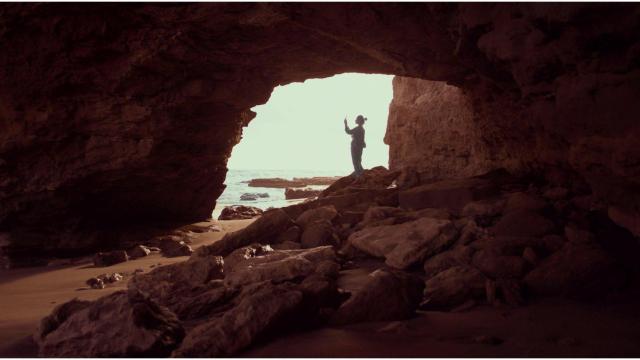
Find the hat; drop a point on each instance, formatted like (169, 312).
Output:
(360, 117)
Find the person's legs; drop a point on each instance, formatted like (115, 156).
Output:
(356, 157)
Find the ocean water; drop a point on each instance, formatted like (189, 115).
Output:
(237, 184)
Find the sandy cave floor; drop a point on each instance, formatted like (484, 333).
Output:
(547, 327)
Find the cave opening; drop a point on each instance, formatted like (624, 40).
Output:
(299, 133)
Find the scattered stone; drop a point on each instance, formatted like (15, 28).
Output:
(453, 287)
(385, 296)
(138, 251)
(406, 244)
(319, 233)
(578, 269)
(290, 193)
(239, 212)
(123, 324)
(103, 259)
(110, 278)
(172, 246)
(523, 223)
(95, 283)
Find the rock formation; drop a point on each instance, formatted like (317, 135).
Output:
(136, 107)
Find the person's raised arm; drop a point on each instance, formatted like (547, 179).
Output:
(346, 128)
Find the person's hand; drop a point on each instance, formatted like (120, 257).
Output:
(345, 121)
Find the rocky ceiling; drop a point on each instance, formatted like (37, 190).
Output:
(121, 114)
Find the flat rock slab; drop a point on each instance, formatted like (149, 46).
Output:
(449, 194)
(406, 244)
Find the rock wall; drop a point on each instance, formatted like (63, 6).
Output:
(432, 129)
(114, 115)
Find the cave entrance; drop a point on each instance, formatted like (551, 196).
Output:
(299, 132)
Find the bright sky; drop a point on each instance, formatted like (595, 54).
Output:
(301, 126)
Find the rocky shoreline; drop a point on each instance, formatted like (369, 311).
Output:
(450, 245)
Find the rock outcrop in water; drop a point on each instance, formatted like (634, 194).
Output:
(116, 115)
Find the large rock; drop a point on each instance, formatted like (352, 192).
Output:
(449, 194)
(290, 193)
(239, 212)
(523, 201)
(173, 246)
(523, 223)
(385, 296)
(406, 244)
(460, 255)
(123, 324)
(103, 259)
(578, 269)
(264, 230)
(453, 287)
(319, 233)
(310, 216)
(497, 266)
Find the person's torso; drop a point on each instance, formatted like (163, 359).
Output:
(357, 137)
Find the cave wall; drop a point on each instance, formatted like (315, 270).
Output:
(114, 115)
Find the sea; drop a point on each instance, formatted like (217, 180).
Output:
(237, 184)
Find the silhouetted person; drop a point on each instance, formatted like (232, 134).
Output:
(357, 144)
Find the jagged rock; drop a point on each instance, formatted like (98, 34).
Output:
(373, 179)
(385, 296)
(138, 251)
(408, 178)
(405, 244)
(279, 266)
(321, 213)
(488, 208)
(523, 223)
(265, 230)
(261, 307)
(453, 287)
(103, 259)
(239, 212)
(318, 233)
(375, 214)
(172, 246)
(58, 316)
(290, 193)
(123, 324)
(450, 194)
(172, 285)
(247, 252)
(460, 255)
(292, 234)
(498, 266)
(522, 201)
(578, 269)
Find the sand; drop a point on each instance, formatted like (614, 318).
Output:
(29, 294)
(547, 327)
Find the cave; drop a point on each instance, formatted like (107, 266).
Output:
(117, 122)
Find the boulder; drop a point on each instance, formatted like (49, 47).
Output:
(484, 208)
(498, 266)
(406, 244)
(453, 287)
(290, 193)
(95, 283)
(103, 259)
(138, 251)
(318, 233)
(350, 217)
(279, 266)
(260, 308)
(320, 213)
(292, 234)
(377, 213)
(523, 223)
(239, 212)
(172, 285)
(384, 296)
(58, 316)
(265, 230)
(523, 201)
(123, 324)
(460, 255)
(172, 246)
(578, 269)
(376, 178)
(408, 178)
(247, 252)
(450, 194)
(248, 197)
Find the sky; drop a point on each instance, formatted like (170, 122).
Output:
(301, 126)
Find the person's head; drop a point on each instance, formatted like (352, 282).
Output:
(360, 120)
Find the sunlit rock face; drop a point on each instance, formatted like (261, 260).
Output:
(121, 114)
